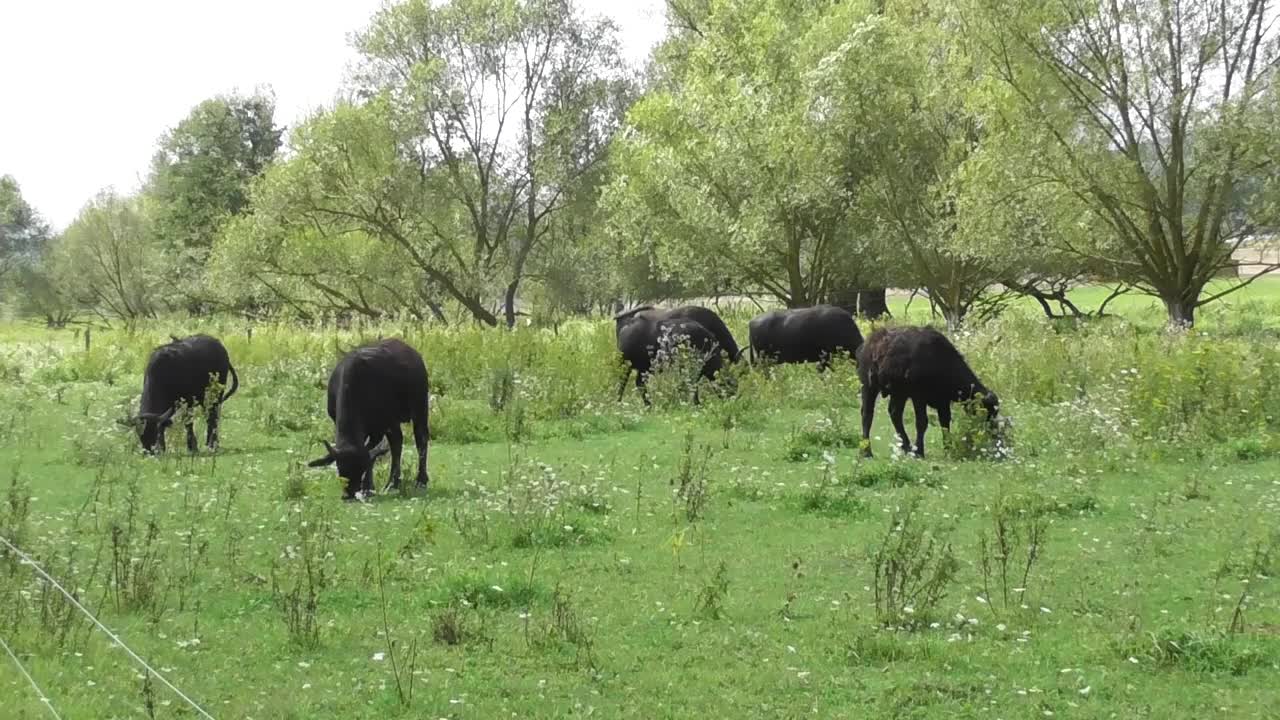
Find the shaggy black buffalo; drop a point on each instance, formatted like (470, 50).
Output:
(802, 335)
(372, 391)
(918, 364)
(705, 317)
(645, 339)
(180, 372)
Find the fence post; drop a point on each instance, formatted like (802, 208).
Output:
(88, 332)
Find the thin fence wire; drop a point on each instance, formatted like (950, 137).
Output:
(26, 560)
(44, 699)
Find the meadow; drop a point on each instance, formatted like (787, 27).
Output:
(579, 557)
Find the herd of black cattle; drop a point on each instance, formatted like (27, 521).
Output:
(375, 388)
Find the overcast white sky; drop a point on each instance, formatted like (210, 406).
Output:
(87, 86)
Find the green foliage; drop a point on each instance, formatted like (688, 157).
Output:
(110, 260)
(889, 474)
(22, 231)
(1112, 113)
(202, 170)
(914, 567)
(721, 177)
(1199, 652)
(474, 154)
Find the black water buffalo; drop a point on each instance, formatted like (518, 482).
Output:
(803, 335)
(705, 317)
(181, 372)
(646, 338)
(918, 364)
(372, 391)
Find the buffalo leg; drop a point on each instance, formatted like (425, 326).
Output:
(622, 388)
(366, 479)
(898, 403)
(395, 438)
(192, 445)
(211, 432)
(944, 420)
(421, 439)
(642, 384)
(868, 414)
(921, 410)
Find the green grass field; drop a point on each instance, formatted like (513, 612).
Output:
(576, 557)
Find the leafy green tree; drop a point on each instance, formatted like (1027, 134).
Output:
(108, 260)
(343, 209)
(22, 231)
(898, 92)
(722, 176)
(502, 109)
(201, 173)
(1151, 114)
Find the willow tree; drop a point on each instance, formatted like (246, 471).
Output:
(506, 106)
(721, 176)
(1148, 113)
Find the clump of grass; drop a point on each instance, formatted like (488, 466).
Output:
(566, 626)
(558, 532)
(832, 498)
(502, 387)
(16, 519)
(973, 437)
(479, 592)
(136, 556)
(871, 474)
(830, 430)
(878, 648)
(693, 478)
(460, 421)
(1010, 548)
(675, 379)
(913, 568)
(711, 598)
(302, 572)
(1251, 448)
(295, 483)
(1258, 558)
(451, 626)
(1199, 651)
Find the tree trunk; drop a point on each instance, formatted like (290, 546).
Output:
(872, 304)
(846, 298)
(1182, 312)
(509, 303)
(437, 311)
(953, 314)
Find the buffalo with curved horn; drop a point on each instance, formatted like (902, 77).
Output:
(373, 390)
(180, 372)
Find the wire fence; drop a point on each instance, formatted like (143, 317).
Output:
(26, 560)
(34, 686)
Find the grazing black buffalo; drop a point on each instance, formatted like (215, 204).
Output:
(372, 391)
(645, 338)
(918, 364)
(803, 335)
(181, 372)
(705, 317)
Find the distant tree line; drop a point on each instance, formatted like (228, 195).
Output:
(498, 154)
